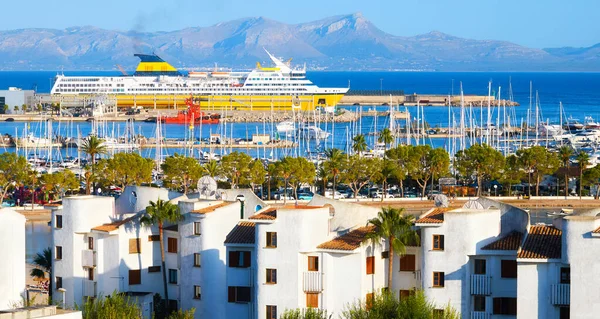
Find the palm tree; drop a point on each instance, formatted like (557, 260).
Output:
(93, 146)
(322, 175)
(393, 226)
(386, 137)
(333, 164)
(584, 160)
(360, 144)
(565, 153)
(43, 263)
(212, 168)
(156, 215)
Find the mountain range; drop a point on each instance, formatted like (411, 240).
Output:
(349, 42)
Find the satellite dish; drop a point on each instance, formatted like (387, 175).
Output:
(207, 186)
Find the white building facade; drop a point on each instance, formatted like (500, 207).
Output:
(12, 267)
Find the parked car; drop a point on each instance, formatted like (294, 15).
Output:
(305, 195)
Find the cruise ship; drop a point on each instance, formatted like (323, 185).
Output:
(157, 84)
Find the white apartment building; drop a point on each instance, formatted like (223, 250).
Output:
(100, 247)
(12, 267)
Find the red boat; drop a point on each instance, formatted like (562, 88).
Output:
(193, 115)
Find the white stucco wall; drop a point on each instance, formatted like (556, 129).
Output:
(533, 289)
(12, 250)
(242, 277)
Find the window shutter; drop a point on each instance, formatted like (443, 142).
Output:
(246, 259)
(370, 265)
(442, 242)
(231, 294)
(234, 259)
(497, 306)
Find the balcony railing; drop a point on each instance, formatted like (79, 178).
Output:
(89, 288)
(561, 294)
(88, 258)
(480, 315)
(481, 285)
(313, 281)
(418, 279)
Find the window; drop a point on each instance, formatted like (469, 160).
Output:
(508, 268)
(90, 274)
(479, 303)
(58, 253)
(565, 275)
(196, 260)
(313, 263)
(385, 254)
(407, 263)
(58, 282)
(173, 276)
(271, 239)
(154, 269)
(565, 313)
(238, 294)
(271, 276)
(505, 306)
(135, 277)
(172, 245)
(271, 312)
(197, 228)
(197, 292)
(405, 293)
(479, 267)
(370, 265)
(91, 243)
(438, 242)
(58, 221)
(438, 279)
(239, 259)
(312, 300)
(135, 246)
(369, 299)
(154, 238)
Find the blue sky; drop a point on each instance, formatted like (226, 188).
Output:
(534, 23)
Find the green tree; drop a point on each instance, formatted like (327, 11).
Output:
(386, 137)
(323, 175)
(236, 167)
(115, 306)
(333, 165)
(305, 313)
(359, 144)
(43, 265)
(39, 108)
(93, 146)
(5, 108)
(257, 173)
(387, 305)
(16, 108)
(538, 161)
(181, 172)
(59, 182)
(481, 161)
(394, 227)
(157, 214)
(425, 162)
(357, 171)
(592, 176)
(295, 171)
(512, 172)
(212, 168)
(24, 108)
(565, 153)
(583, 161)
(127, 169)
(14, 170)
(399, 157)
(181, 314)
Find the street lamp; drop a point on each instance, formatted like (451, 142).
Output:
(496, 190)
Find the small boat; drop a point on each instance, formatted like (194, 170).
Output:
(285, 127)
(312, 132)
(198, 74)
(193, 115)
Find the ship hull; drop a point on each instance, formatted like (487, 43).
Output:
(224, 102)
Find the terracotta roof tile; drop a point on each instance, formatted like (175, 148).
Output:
(114, 225)
(242, 233)
(172, 228)
(211, 208)
(597, 231)
(435, 217)
(542, 242)
(269, 213)
(512, 241)
(349, 241)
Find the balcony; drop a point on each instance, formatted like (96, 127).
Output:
(561, 294)
(481, 285)
(88, 258)
(480, 315)
(89, 288)
(313, 281)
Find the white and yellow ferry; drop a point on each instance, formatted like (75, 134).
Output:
(157, 84)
